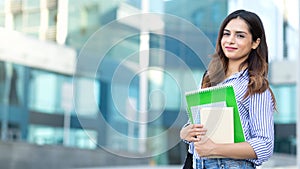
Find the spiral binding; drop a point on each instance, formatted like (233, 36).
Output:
(207, 89)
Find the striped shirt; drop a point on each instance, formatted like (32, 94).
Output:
(256, 112)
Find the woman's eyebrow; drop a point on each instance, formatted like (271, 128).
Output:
(236, 31)
(241, 32)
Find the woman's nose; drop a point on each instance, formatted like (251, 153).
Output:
(231, 39)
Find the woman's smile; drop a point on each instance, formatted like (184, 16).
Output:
(229, 48)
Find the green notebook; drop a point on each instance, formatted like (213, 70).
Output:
(216, 94)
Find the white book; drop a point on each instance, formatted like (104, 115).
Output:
(219, 123)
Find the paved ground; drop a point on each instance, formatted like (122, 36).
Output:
(278, 161)
(176, 167)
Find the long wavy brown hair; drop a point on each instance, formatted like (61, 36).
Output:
(257, 61)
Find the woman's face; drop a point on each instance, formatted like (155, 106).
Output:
(237, 40)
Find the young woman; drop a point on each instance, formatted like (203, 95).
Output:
(241, 59)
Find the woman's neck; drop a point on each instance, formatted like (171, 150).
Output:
(234, 68)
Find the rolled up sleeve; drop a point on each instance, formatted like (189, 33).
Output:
(261, 110)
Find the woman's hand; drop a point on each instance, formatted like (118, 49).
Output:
(192, 132)
(205, 147)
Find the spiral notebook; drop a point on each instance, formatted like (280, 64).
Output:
(214, 96)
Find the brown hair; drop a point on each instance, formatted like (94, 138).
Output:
(257, 61)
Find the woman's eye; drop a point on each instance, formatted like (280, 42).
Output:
(240, 36)
(226, 34)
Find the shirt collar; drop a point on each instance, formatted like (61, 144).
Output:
(237, 75)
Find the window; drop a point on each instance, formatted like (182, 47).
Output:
(45, 135)
(2, 20)
(18, 21)
(52, 17)
(286, 103)
(47, 91)
(32, 19)
(29, 4)
(87, 95)
(11, 82)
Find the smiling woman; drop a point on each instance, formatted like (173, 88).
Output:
(241, 59)
(237, 44)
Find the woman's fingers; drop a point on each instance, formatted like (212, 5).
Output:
(196, 136)
(198, 131)
(193, 132)
(197, 125)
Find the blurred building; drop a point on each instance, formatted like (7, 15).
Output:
(59, 89)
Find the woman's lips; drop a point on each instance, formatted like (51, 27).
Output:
(230, 48)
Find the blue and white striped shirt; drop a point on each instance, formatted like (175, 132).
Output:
(256, 112)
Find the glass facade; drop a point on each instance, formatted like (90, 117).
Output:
(45, 84)
(104, 107)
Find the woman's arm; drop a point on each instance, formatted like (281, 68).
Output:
(242, 150)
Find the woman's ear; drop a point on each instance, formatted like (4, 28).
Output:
(255, 43)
